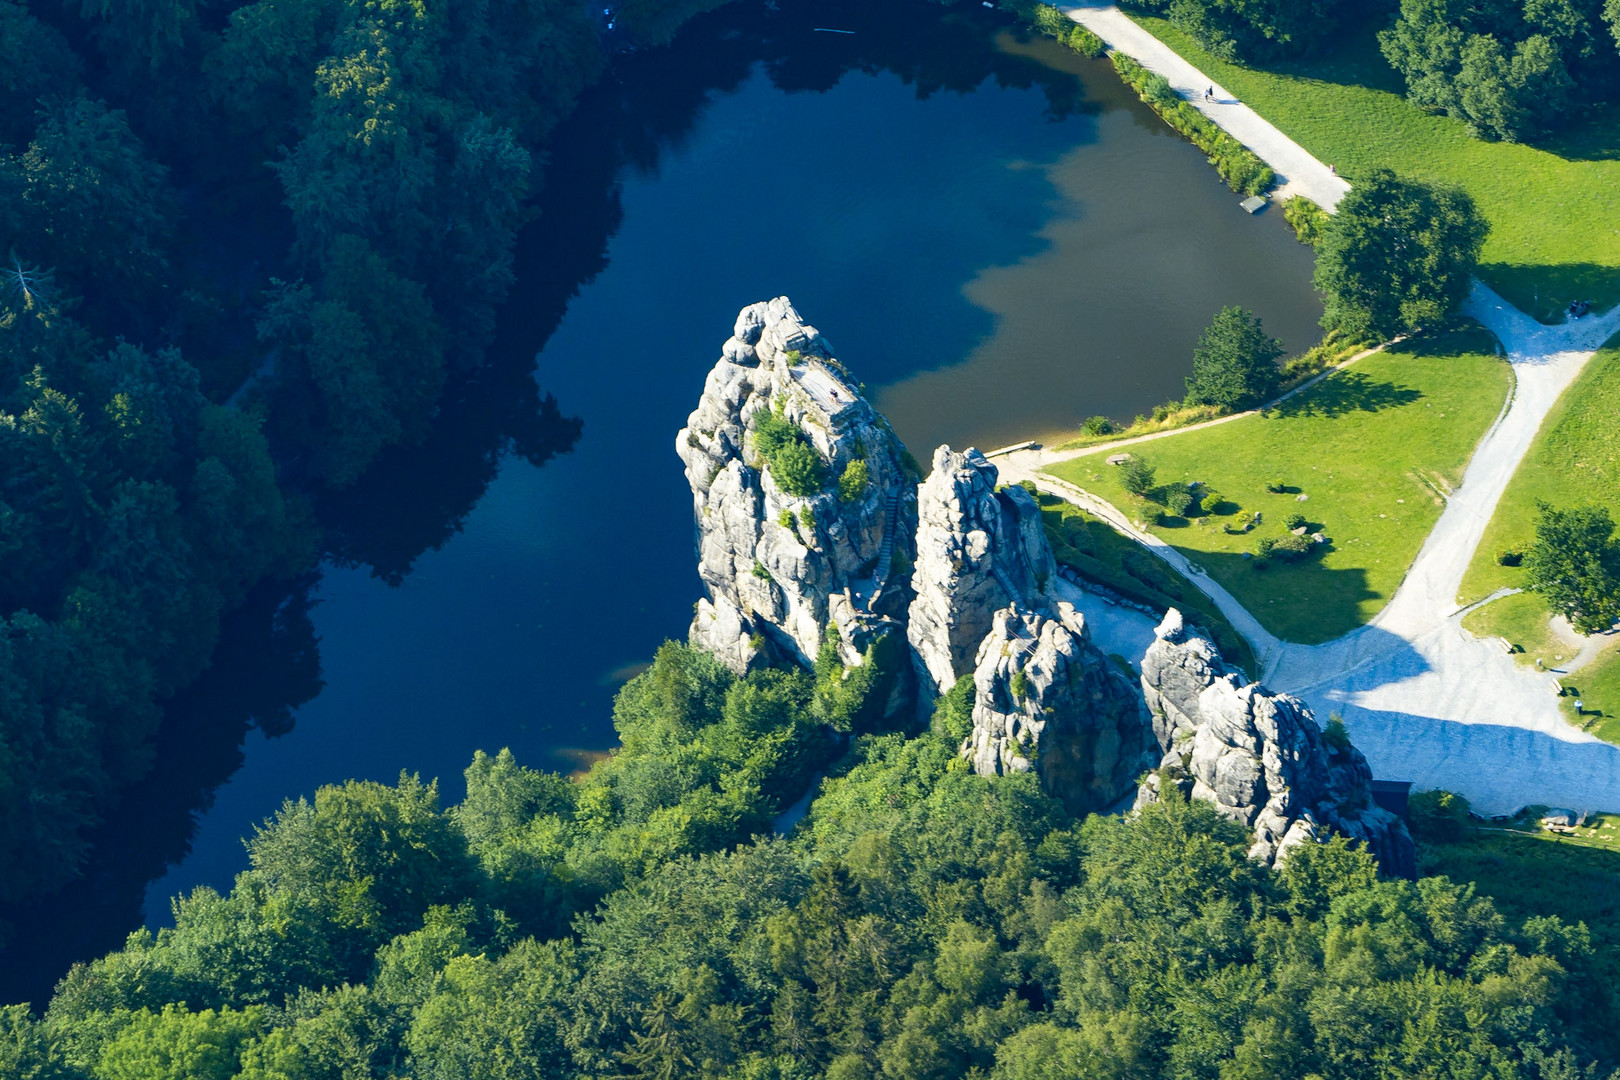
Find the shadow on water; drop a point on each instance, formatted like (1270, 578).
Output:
(1348, 392)
(265, 665)
(416, 499)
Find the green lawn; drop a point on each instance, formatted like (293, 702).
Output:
(1575, 460)
(1522, 620)
(1597, 686)
(1371, 447)
(1555, 232)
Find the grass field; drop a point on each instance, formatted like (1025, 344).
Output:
(1522, 620)
(1575, 460)
(1371, 448)
(1555, 232)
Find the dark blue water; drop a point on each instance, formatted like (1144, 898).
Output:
(882, 214)
(999, 239)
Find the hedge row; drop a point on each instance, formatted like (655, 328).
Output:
(1242, 170)
(1053, 23)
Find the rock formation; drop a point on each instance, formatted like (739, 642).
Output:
(780, 567)
(978, 551)
(1046, 698)
(1259, 757)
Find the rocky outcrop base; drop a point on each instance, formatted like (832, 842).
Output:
(1046, 699)
(1259, 757)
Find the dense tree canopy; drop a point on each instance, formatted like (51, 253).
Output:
(1575, 565)
(1399, 254)
(1509, 69)
(1257, 30)
(923, 922)
(370, 163)
(1235, 363)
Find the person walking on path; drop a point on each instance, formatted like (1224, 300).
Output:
(1209, 95)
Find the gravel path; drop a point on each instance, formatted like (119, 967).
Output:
(1423, 699)
(1298, 173)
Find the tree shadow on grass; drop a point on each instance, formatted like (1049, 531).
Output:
(1305, 602)
(1592, 138)
(1545, 291)
(1347, 392)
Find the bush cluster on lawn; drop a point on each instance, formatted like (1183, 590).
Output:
(1137, 476)
(1285, 548)
(1239, 167)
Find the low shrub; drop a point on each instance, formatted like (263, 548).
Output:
(1053, 23)
(793, 462)
(1509, 557)
(1137, 476)
(1293, 521)
(1179, 501)
(1306, 217)
(1276, 487)
(1098, 425)
(760, 571)
(1242, 170)
(1291, 548)
(1437, 817)
(1335, 734)
(787, 519)
(1335, 348)
(853, 483)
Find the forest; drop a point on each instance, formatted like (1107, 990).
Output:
(922, 922)
(246, 247)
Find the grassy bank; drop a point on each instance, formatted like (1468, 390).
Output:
(1371, 448)
(1334, 349)
(1243, 170)
(1555, 235)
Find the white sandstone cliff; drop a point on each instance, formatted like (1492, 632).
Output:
(978, 551)
(781, 568)
(1259, 757)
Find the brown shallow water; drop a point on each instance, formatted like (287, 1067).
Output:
(1141, 249)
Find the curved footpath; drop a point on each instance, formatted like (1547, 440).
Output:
(1424, 700)
(1298, 173)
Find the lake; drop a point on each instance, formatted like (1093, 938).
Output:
(997, 236)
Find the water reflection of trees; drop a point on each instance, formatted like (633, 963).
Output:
(415, 498)
(265, 665)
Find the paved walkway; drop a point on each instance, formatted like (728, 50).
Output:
(1298, 173)
(1424, 700)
